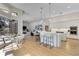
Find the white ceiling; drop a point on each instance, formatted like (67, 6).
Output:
(32, 10)
(8, 10)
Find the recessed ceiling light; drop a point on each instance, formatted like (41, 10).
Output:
(68, 7)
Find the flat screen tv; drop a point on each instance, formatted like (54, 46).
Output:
(73, 30)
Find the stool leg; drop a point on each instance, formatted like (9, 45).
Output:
(46, 41)
(50, 42)
(43, 40)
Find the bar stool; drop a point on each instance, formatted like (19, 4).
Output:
(49, 38)
(51, 41)
(45, 40)
(41, 38)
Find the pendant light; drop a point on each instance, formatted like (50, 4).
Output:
(41, 13)
(49, 19)
(49, 9)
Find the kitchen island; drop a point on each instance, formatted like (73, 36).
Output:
(51, 39)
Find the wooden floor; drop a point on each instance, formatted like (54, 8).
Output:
(32, 48)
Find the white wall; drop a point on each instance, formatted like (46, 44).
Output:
(66, 24)
(63, 21)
